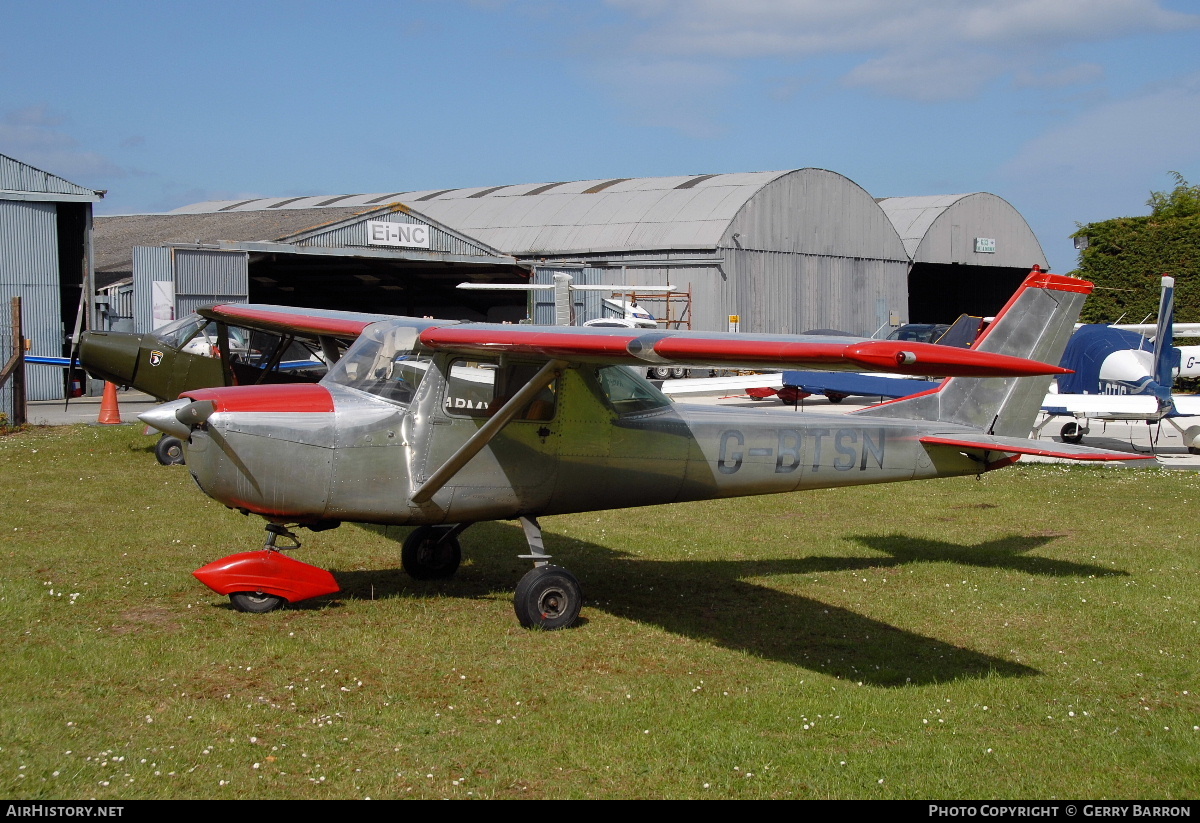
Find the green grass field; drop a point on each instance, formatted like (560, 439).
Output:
(1032, 634)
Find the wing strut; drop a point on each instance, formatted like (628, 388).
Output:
(545, 376)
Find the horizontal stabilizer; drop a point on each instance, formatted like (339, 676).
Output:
(1022, 445)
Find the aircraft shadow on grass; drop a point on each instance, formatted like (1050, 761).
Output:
(712, 601)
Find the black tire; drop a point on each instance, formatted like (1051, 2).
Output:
(660, 373)
(424, 558)
(1071, 433)
(549, 597)
(169, 451)
(678, 373)
(835, 397)
(255, 602)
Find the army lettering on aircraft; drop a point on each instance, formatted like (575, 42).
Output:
(843, 449)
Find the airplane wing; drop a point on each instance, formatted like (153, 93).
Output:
(637, 347)
(698, 385)
(293, 320)
(1149, 329)
(862, 385)
(1118, 406)
(1020, 445)
(1109, 406)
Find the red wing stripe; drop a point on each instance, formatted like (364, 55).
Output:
(750, 351)
(1091, 454)
(293, 322)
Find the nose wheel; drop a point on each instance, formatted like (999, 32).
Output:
(255, 602)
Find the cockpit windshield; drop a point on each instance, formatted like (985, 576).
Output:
(384, 362)
(177, 332)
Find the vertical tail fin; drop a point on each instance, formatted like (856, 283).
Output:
(1163, 338)
(1035, 323)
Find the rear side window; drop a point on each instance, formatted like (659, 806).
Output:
(477, 388)
(627, 392)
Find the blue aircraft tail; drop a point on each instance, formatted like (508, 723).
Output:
(1036, 323)
(1163, 348)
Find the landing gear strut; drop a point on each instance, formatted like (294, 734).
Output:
(548, 597)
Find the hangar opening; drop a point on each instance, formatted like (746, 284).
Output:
(940, 292)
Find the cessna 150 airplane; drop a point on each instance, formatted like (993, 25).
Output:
(439, 425)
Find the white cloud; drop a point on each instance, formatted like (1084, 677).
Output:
(1105, 162)
(34, 136)
(1121, 142)
(914, 49)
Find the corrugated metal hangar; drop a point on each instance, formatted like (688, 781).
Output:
(784, 251)
(45, 259)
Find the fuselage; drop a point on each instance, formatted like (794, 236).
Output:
(599, 437)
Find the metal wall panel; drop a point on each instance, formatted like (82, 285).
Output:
(150, 263)
(790, 293)
(585, 305)
(813, 211)
(29, 270)
(203, 278)
(20, 177)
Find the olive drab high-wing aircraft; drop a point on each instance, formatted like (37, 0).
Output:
(439, 425)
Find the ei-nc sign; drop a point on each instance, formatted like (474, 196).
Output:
(985, 245)
(412, 235)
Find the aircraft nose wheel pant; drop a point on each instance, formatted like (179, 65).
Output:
(262, 581)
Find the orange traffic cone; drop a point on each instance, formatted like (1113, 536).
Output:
(109, 412)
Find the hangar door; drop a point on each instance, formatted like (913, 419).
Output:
(171, 283)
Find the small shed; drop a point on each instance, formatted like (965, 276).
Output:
(46, 260)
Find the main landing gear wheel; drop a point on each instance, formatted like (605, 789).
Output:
(548, 597)
(1071, 433)
(429, 553)
(169, 451)
(255, 602)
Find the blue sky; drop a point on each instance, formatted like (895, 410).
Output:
(1072, 110)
